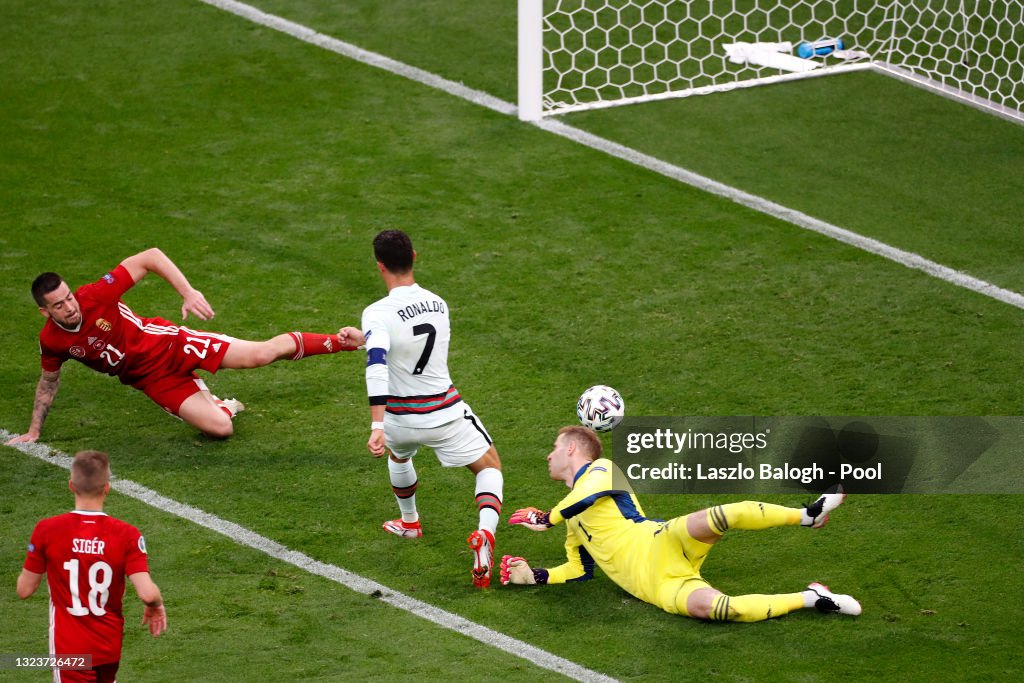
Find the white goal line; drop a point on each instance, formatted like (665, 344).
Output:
(797, 218)
(355, 582)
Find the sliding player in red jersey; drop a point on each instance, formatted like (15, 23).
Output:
(86, 555)
(93, 326)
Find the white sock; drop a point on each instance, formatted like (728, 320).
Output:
(404, 483)
(489, 488)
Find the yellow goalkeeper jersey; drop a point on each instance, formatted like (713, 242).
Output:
(605, 526)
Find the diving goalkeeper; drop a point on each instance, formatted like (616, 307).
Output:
(658, 562)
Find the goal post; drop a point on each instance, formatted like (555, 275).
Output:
(585, 54)
(531, 59)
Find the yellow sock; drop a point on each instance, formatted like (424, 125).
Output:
(751, 515)
(754, 607)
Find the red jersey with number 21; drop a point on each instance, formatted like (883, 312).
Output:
(86, 557)
(110, 339)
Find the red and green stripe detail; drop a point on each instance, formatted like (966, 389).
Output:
(421, 405)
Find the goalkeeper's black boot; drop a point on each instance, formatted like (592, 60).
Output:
(830, 602)
(816, 514)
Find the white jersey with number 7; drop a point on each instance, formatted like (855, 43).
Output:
(407, 337)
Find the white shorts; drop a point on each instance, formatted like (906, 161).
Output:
(456, 444)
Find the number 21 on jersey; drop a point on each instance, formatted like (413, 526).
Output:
(112, 356)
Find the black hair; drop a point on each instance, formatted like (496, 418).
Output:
(393, 248)
(43, 285)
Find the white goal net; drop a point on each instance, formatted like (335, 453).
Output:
(585, 54)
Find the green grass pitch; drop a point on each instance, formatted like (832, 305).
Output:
(263, 166)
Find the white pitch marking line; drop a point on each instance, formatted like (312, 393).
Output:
(308, 35)
(359, 584)
(797, 218)
(759, 204)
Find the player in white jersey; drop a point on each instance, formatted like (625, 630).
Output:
(413, 402)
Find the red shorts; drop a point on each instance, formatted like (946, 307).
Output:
(103, 673)
(177, 380)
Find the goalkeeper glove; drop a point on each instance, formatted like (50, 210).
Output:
(515, 570)
(531, 518)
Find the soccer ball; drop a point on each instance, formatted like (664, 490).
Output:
(600, 408)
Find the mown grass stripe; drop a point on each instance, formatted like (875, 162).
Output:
(356, 582)
(759, 204)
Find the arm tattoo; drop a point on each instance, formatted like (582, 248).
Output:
(46, 390)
